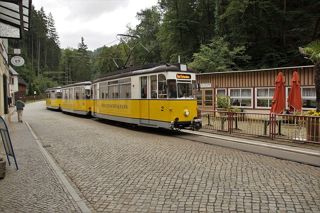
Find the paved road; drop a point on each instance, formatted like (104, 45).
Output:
(34, 187)
(120, 169)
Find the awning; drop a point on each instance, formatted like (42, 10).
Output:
(14, 17)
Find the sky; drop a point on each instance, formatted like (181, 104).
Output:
(98, 21)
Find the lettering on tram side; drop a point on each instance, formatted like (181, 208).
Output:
(115, 106)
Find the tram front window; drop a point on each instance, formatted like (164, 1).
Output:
(172, 88)
(185, 90)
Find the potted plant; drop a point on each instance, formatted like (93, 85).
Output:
(223, 103)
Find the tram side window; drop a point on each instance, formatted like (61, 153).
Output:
(113, 89)
(172, 88)
(77, 91)
(144, 87)
(103, 90)
(154, 92)
(65, 94)
(71, 94)
(208, 97)
(83, 93)
(58, 95)
(162, 86)
(125, 88)
(87, 94)
(52, 94)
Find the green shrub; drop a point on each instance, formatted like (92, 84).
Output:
(223, 102)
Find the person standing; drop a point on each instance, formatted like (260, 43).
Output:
(20, 105)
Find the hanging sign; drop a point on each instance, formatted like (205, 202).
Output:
(17, 61)
(205, 85)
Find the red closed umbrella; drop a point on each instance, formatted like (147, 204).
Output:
(295, 99)
(279, 97)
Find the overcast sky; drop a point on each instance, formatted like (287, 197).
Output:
(98, 21)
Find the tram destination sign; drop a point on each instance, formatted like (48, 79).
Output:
(183, 76)
(17, 61)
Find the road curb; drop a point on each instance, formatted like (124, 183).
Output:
(301, 155)
(60, 174)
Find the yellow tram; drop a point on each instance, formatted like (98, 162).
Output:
(160, 97)
(76, 98)
(53, 100)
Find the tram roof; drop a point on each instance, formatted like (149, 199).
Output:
(77, 84)
(142, 70)
(52, 88)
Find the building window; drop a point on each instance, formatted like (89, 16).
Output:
(222, 92)
(264, 97)
(199, 97)
(208, 98)
(241, 97)
(308, 97)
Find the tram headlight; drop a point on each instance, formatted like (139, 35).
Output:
(186, 113)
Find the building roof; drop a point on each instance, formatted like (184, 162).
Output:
(257, 70)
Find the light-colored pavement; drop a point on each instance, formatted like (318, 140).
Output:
(34, 187)
(120, 169)
(302, 153)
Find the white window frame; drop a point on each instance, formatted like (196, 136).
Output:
(205, 97)
(266, 97)
(242, 88)
(308, 97)
(225, 91)
(302, 87)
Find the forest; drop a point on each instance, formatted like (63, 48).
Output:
(208, 35)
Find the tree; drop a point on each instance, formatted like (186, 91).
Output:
(178, 35)
(218, 56)
(312, 51)
(82, 70)
(147, 47)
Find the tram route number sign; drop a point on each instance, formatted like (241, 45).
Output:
(183, 76)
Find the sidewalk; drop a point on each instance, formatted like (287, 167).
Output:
(302, 153)
(35, 186)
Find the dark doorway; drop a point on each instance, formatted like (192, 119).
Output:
(5, 94)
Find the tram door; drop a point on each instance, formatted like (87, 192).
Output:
(144, 102)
